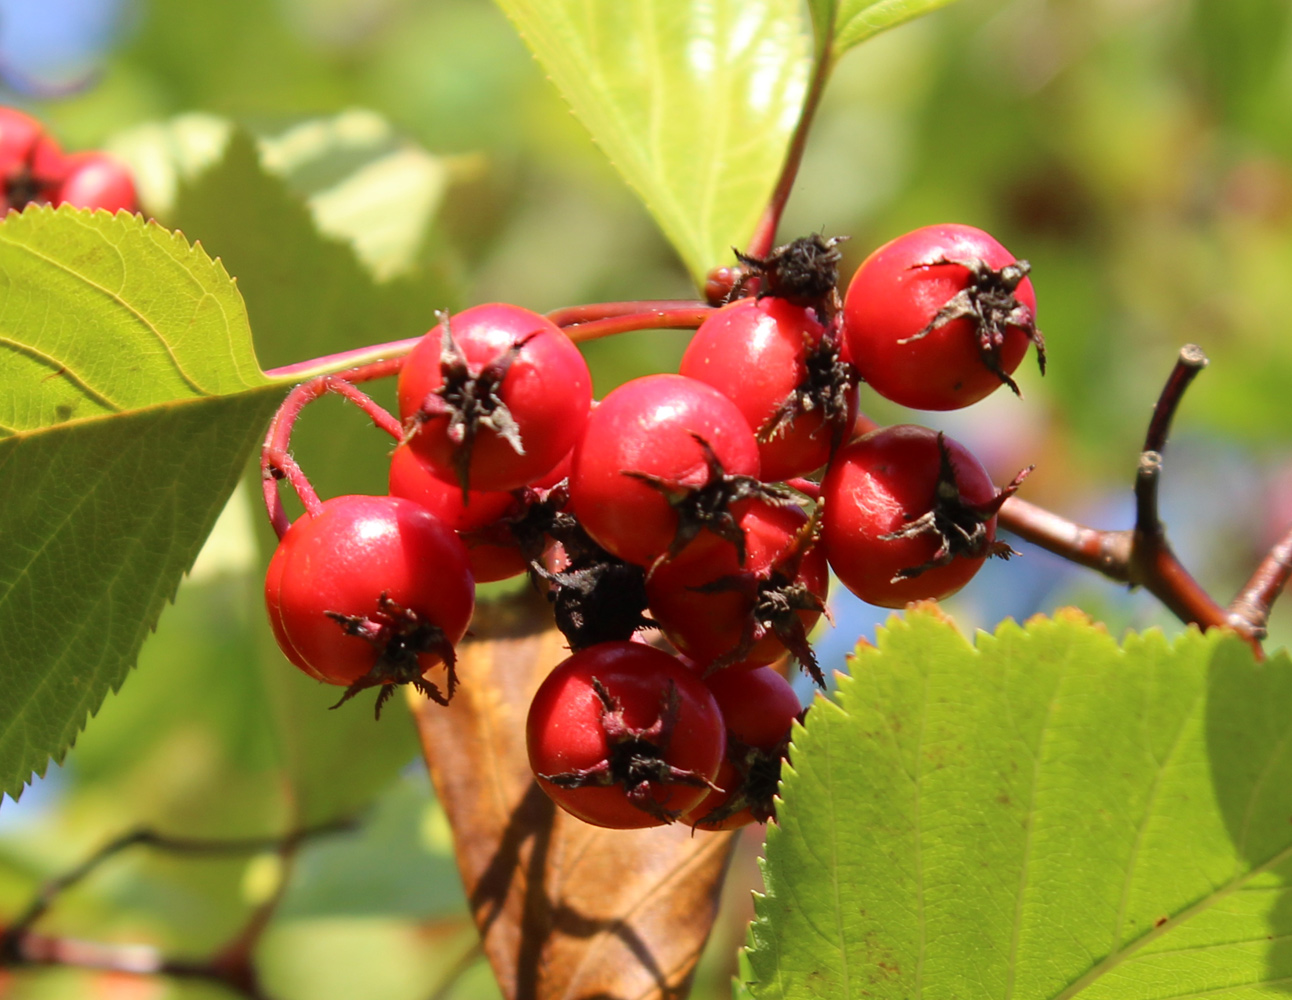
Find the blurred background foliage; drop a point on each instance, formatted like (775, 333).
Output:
(1137, 152)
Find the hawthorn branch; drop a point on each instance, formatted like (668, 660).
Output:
(1250, 608)
(1142, 556)
(231, 966)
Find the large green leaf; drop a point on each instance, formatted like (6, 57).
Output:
(129, 401)
(846, 23)
(363, 183)
(694, 103)
(1047, 815)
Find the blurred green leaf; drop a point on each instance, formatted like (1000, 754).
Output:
(1241, 46)
(847, 23)
(693, 103)
(1047, 815)
(130, 401)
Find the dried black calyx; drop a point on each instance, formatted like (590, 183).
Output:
(988, 301)
(759, 772)
(827, 388)
(635, 758)
(804, 272)
(596, 597)
(22, 189)
(959, 527)
(708, 506)
(469, 401)
(776, 598)
(399, 635)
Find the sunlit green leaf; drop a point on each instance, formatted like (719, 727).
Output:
(129, 401)
(693, 103)
(1045, 815)
(846, 23)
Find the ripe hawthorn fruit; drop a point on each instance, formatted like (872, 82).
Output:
(623, 735)
(96, 180)
(31, 164)
(772, 359)
(940, 317)
(721, 613)
(908, 515)
(371, 591)
(660, 461)
(478, 518)
(758, 707)
(494, 397)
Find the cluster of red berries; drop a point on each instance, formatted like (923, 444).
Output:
(33, 170)
(708, 506)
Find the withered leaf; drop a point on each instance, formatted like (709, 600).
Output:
(564, 909)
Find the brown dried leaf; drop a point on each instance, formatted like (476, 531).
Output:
(565, 909)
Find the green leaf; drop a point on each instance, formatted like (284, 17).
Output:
(362, 182)
(1047, 815)
(847, 23)
(129, 402)
(693, 103)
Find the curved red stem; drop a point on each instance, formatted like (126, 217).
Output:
(276, 461)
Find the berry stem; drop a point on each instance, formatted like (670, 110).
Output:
(764, 237)
(574, 315)
(352, 364)
(810, 489)
(687, 317)
(276, 461)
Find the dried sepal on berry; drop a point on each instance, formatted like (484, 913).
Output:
(804, 271)
(708, 506)
(470, 402)
(400, 636)
(958, 526)
(989, 303)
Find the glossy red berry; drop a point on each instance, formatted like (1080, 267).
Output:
(478, 519)
(371, 591)
(758, 707)
(909, 515)
(658, 462)
(623, 735)
(494, 397)
(940, 317)
(31, 164)
(96, 180)
(767, 356)
(717, 611)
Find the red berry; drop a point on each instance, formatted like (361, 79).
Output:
(494, 555)
(717, 611)
(97, 180)
(939, 318)
(765, 355)
(758, 707)
(909, 515)
(370, 591)
(31, 164)
(658, 456)
(623, 735)
(494, 397)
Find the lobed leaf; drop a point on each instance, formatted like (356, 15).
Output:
(693, 103)
(129, 401)
(1045, 815)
